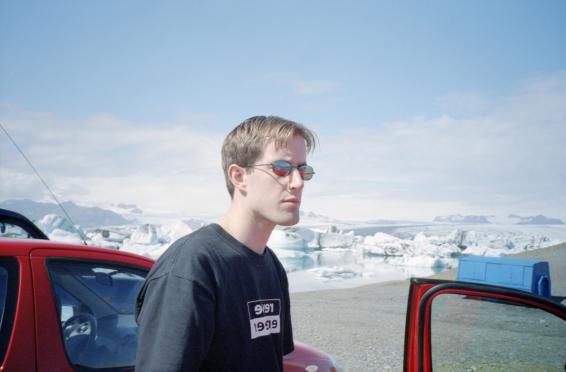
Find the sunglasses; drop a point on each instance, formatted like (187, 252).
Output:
(283, 168)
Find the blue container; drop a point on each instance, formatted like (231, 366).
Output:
(526, 275)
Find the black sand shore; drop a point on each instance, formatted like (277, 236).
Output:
(363, 328)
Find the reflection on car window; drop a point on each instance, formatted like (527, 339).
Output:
(3, 292)
(481, 334)
(8, 230)
(96, 305)
(8, 293)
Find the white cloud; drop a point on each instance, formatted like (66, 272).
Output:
(104, 159)
(105, 145)
(501, 156)
(508, 157)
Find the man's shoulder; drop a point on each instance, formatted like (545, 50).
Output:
(278, 266)
(198, 238)
(188, 255)
(275, 259)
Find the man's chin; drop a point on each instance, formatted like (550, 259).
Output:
(293, 220)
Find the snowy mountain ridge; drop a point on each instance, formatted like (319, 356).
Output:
(81, 215)
(458, 218)
(535, 220)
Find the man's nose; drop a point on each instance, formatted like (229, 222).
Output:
(296, 181)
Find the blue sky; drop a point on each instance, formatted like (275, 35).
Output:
(422, 108)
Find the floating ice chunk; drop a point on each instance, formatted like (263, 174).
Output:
(286, 239)
(146, 234)
(99, 241)
(336, 239)
(65, 236)
(58, 228)
(172, 232)
(334, 273)
(307, 234)
(311, 237)
(456, 237)
(295, 260)
(426, 248)
(382, 244)
(109, 237)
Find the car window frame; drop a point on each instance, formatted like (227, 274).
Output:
(419, 316)
(16, 219)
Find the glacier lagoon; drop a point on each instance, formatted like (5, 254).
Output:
(328, 255)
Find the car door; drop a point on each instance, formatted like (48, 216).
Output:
(17, 336)
(458, 326)
(84, 308)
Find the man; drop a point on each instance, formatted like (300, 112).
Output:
(218, 299)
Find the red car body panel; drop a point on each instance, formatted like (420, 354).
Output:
(305, 356)
(36, 343)
(20, 353)
(416, 292)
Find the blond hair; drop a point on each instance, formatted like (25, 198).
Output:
(245, 143)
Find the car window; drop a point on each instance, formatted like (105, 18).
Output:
(8, 293)
(3, 290)
(484, 334)
(96, 308)
(8, 230)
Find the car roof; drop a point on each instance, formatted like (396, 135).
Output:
(25, 246)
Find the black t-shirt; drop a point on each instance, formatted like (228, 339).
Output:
(212, 304)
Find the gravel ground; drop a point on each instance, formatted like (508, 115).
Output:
(364, 328)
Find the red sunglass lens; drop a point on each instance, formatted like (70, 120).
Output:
(280, 172)
(281, 168)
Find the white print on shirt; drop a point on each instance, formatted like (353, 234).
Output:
(264, 317)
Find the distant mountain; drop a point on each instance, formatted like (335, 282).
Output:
(457, 218)
(313, 215)
(128, 211)
(535, 220)
(132, 208)
(394, 222)
(83, 216)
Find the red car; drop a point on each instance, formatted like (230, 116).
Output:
(71, 308)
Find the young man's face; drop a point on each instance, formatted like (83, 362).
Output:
(276, 199)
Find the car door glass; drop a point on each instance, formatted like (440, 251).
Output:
(8, 230)
(96, 308)
(483, 334)
(8, 296)
(3, 292)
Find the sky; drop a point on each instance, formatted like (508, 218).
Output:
(422, 109)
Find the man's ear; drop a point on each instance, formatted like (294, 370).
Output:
(237, 176)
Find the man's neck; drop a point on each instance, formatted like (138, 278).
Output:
(253, 234)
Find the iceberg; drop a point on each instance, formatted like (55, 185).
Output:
(382, 244)
(58, 228)
(286, 240)
(333, 254)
